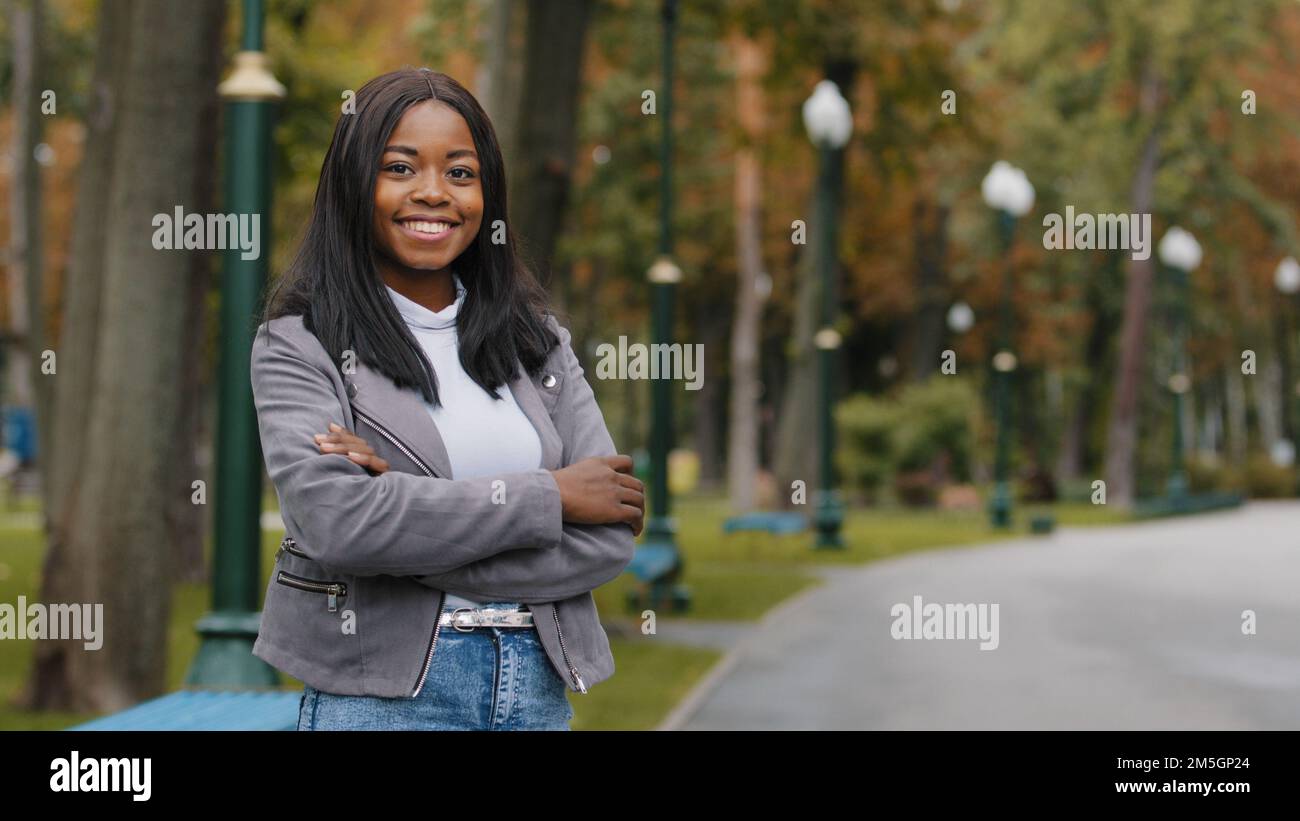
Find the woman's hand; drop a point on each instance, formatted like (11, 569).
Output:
(601, 490)
(352, 446)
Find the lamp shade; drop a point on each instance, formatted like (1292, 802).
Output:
(1287, 276)
(960, 318)
(826, 116)
(1007, 188)
(1179, 249)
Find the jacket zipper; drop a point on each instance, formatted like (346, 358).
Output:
(442, 597)
(428, 657)
(288, 545)
(333, 590)
(573, 671)
(384, 432)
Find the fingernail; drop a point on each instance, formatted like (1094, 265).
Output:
(318, 437)
(354, 454)
(334, 426)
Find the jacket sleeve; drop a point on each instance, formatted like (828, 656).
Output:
(396, 523)
(588, 555)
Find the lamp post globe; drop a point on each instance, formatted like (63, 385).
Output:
(960, 318)
(826, 116)
(1287, 276)
(1179, 249)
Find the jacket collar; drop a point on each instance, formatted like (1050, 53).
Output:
(402, 411)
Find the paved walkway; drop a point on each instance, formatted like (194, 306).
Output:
(1131, 627)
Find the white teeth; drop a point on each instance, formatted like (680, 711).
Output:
(428, 227)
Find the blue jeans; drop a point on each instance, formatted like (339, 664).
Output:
(489, 678)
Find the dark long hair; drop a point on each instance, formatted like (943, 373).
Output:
(333, 281)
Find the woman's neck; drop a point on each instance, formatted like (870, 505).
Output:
(432, 289)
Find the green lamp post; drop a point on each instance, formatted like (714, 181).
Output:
(228, 632)
(1181, 254)
(1006, 189)
(658, 561)
(829, 123)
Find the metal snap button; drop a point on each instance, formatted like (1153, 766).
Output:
(548, 381)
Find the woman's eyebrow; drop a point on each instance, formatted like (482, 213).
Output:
(451, 155)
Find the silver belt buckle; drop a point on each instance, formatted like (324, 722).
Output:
(469, 629)
(486, 617)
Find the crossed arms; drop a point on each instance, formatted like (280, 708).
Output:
(445, 533)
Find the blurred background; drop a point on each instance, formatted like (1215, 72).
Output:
(845, 252)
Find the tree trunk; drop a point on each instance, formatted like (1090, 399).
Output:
(929, 247)
(26, 386)
(118, 523)
(547, 132)
(49, 686)
(501, 77)
(743, 426)
(1235, 393)
(710, 328)
(1121, 440)
(188, 524)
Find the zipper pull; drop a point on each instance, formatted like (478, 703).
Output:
(581, 686)
(333, 598)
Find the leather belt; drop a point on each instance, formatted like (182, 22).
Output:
(465, 619)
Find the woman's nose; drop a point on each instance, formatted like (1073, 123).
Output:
(429, 189)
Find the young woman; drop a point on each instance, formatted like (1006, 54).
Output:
(450, 491)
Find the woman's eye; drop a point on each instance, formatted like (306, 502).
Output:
(397, 165)
(469, 175)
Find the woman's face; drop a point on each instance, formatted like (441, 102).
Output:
(428, 196)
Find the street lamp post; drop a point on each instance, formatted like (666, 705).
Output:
(227, 633)
(829, 123)
(1007, 190)
(657, 560)
(1287, 280)
(1181, 254)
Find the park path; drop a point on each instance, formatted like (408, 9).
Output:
(1129, 627)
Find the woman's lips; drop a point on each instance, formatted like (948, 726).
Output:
(420, 236)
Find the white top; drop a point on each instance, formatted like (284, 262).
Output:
(483, 436)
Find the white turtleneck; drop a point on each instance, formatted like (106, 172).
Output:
(483, 436)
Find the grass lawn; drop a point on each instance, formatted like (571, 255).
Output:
(732, 577)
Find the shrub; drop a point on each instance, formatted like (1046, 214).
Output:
(933, 422)
(923, 436)
(1266, 480)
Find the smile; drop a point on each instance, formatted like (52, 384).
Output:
(426, 231)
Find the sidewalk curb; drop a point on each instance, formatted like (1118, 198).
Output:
(690, 704)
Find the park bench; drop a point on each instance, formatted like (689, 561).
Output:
(207, 710)
(774, 522)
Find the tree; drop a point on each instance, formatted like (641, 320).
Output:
(112, 543)
(742, 442)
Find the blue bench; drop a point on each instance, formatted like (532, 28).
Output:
(207, 710)
(776, 523)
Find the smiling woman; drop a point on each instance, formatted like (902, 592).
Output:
(443, 535)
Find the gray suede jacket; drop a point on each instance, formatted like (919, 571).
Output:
(367, 560)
